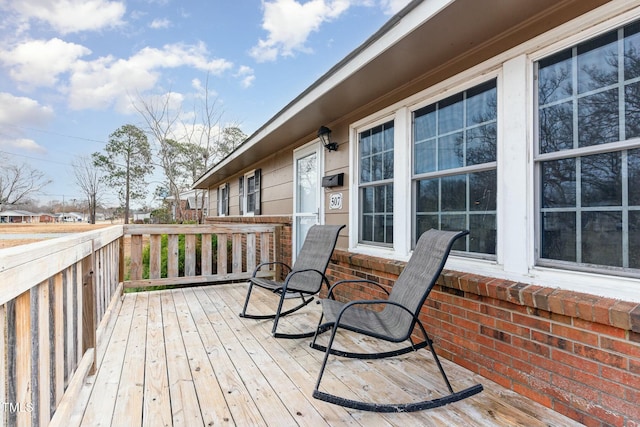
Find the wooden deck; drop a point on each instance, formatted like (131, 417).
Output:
(184, 358)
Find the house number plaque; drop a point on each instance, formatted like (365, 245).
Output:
(335, 201)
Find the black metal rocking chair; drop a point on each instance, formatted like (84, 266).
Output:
(394, 323)
(305, 278)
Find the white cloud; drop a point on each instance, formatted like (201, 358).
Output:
(70, 16)
(157, 24)
(246, 75)
(17, 112)
(107, 81)
(289, 23)
(39, 63)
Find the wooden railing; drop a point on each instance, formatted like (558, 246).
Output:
(48, 320)
(56, 297)
(198, 253)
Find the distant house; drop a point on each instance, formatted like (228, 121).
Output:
(47, 217)
(16, 216)
(192, 206)
(518, 120)
(70, 217)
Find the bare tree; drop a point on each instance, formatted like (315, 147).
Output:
(19, 182)
(90, 180)
(161, 116)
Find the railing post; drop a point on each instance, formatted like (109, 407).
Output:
(88, 306)
(121, 260)
(277, 250)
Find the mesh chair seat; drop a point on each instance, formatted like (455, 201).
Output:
(395, 322)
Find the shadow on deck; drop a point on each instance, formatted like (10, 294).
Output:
(184, 357)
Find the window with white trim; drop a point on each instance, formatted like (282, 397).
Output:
(249, 193)
(223, 200)
(454, 167)
(375, 148)
(588, 153)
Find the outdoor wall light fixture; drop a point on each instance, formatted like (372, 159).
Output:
(324, 133)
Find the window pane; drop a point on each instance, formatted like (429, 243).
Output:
(634, 239)
(559, 183)
(598, 63)
(367, 228)
(450, 151)
(450, 114)
(454, 191)
(559, 236)
(482, 238)
(598, 119)
(602, 238)
(482, 191)
(482, 105)
(367, 200)
(424, 123)
(427, 195)
(632, 51)
(425, 156)
(556, 128)
(634, 177)
(601, 180)
(481, 144)
(554, 78)
(365, 169)
(632, 109)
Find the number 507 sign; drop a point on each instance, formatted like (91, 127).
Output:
(335, 201)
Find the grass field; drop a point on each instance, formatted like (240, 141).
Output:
(42, 228)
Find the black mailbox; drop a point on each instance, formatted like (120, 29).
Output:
(333, 180)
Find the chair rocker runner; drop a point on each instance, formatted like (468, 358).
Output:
(395, 322)
(305, 278)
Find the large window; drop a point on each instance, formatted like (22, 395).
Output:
(454, 167)
(375, 147)
(588, 154)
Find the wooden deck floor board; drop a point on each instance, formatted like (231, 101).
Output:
(184, 357)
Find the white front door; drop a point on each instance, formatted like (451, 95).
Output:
(307, 192)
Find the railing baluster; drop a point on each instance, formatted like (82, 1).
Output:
(172, 256)
(155, 254)
(189, 255)
(222, 254)
(236, 253)
(205, 261)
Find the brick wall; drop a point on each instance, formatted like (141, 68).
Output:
(575, 353)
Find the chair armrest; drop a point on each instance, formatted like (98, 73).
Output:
(262, 264)
(354, 303)
(369, 282)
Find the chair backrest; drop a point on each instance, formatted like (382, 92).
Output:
(315, 254)
(421, 272)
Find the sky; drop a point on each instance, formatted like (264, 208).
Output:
(69, 69)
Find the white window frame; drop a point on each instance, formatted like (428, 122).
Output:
(222, 189)
(244, 195)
